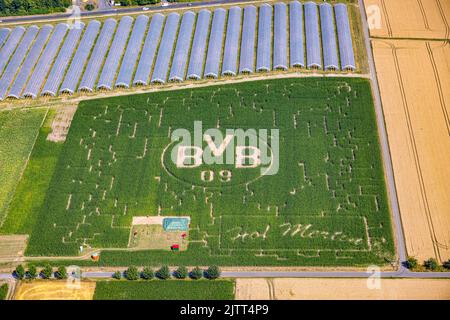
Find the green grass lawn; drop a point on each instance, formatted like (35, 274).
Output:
(327, 204)
(18, 131)
(165, 290)
(30, 193)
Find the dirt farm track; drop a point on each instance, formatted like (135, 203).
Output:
(412, 58)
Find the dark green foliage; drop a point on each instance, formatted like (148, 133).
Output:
(61, 273)
(446, 264)
(132, 273)
(46, 273)
(32, 272)
(147, 273)
(89, 7)
(326, 206)
(411, 263)
(196, 273)
(181, 272)
(213, 272)
(19, 272)
(165, 290)
(431, 264)
(24, 7)
(163, 273)
(117, 275)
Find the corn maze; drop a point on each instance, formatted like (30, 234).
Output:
(326, 205)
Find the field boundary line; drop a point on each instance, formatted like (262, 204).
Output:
(410, 39)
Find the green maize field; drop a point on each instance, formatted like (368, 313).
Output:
(326, 205)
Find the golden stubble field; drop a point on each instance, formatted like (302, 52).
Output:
(54, 290)
(408, 18)
(413, 70)
(337, 289)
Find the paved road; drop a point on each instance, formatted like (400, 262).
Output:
(122, 10)
(291, 274)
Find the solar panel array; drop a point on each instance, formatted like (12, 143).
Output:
(53, 60)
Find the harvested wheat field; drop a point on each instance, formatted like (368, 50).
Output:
(409, 18)
(54, 290)
(414, 79)
(334, 289)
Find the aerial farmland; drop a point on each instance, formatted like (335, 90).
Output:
(241, 139)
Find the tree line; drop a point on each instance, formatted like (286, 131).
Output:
(137, 2)
(26, 7)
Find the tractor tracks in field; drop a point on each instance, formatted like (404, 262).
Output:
(412, 139)
(439, 85)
